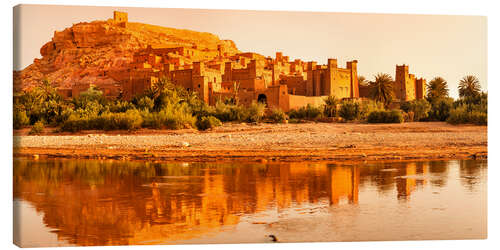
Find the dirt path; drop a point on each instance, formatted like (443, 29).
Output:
(267, 142)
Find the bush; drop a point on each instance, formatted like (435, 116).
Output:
(20, 119)
(229, 112)
(350, 110)
(277, 116)
(420, 109)
(145, 103)
(171, 117)
(91, 108)
(368, 106)
(129, 120)
(440, 109)
(255, 112)
(307, 112)
(120, 106)
(207, 122)
(37, 128)
(201, 109)
(75, 123)
(461, 115)
(393, 116)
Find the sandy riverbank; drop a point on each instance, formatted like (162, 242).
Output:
(267, 142)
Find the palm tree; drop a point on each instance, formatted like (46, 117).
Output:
(45, 91)
(469, 86)
(331, 103)
(437, 88)
(363, 81)
(382, 88)
(157, 88)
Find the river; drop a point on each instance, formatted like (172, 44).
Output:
(60, 202)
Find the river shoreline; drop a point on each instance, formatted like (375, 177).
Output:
(321, 142)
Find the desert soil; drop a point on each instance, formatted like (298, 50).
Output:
(332, 142)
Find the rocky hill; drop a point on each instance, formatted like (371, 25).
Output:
(81, 53)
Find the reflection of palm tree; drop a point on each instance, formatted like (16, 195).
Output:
(470, 172)
(437, 88)
(469, 86)
(381, 88)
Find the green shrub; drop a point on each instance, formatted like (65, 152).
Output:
(129, 120)
(207, 122)
(41, 103)
(120, 106)
(307, 112)
(171, 117)
(145, 103)
(368, 106)
(75, 123)
(461, 115)
(201, 109)
(350, 110)
(440, 109)
(92, 108)
(229, 112)
(420, 109)
(37, 128)
(393, 116)
(277, 116)
(20, 119)
(255, 112)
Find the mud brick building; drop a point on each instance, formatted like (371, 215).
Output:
(219, 71)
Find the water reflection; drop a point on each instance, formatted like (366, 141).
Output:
(118, 203)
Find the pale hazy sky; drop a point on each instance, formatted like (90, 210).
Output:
(447, 46)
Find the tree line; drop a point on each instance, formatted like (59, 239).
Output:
(470, 107)
(166, 106)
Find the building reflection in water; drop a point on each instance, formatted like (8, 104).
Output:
(120, 203)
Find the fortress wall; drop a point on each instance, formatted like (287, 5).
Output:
(183, 78)
(364, 91)
(252, 84)
(297, 101)
(119, 75)
(296, 84)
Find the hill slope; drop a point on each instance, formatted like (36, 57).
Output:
(81, 53)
